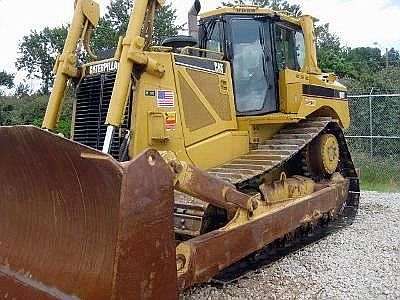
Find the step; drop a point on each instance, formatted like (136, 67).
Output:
(306, 130)
(247, 166)
(273, 161)
(229, 171)
(303, 136)
(275, 152)
(263, 163)
(279, 147)
(232, 176)
(266, 155)
(325, 119)
(274, 141)
(307, 124)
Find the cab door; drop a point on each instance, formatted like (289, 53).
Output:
(253, 69)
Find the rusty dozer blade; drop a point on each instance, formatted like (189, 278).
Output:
(75, 223)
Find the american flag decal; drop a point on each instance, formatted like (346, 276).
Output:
(165, 99)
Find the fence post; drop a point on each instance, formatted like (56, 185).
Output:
(371, 131)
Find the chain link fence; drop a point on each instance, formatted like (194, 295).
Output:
(374, 138)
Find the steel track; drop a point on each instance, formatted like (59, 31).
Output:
(295, 241)
(247, 171)
(278, 250)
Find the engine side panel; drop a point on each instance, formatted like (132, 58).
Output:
(205, 96)
(156, 119)
(304, 94)
(189, 111)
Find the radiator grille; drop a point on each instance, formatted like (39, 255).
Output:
(91, 107)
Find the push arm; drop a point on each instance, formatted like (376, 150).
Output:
(85, 19)
(132, 53)
(199, 184)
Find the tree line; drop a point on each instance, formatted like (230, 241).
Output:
(359, 68)
(38, 50)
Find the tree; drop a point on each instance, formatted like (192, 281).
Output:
(37, 53)
(6, 79)
(38, 50)
(278, 5)
(165, 24)
(387, 80)
(366, 59)
(115, 23)
(22, 90)
(30, 111)
(332, 56)
(393, 57)
(112, 26)
(326, 39)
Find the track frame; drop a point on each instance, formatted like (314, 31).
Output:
(203, 257)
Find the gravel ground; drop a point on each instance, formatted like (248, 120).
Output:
(359, 262)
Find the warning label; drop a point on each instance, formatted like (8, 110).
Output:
(170, 120)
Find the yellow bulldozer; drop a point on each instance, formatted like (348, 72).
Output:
(184, 158)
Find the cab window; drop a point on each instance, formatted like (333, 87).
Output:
(290, 48)
(213, 42)
(300, 48)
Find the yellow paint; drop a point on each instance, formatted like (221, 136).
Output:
(212, 134)
(177, 131)
(249, 10)
(145, 105)
(131, 54)
(294, 103)
(287, 188)
(311, 63)
(219, 125)
(330, 150)
(219, 149)
(220, 141)
(157, 129)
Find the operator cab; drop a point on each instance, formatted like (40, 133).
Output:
(258, 46)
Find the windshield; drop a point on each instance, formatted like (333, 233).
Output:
(249, 72)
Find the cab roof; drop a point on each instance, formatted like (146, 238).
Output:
(250, 10)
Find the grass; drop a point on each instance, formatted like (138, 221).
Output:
(379, 174)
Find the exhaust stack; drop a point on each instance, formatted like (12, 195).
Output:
(192, 19)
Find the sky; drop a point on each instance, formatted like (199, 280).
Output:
(357, 22)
